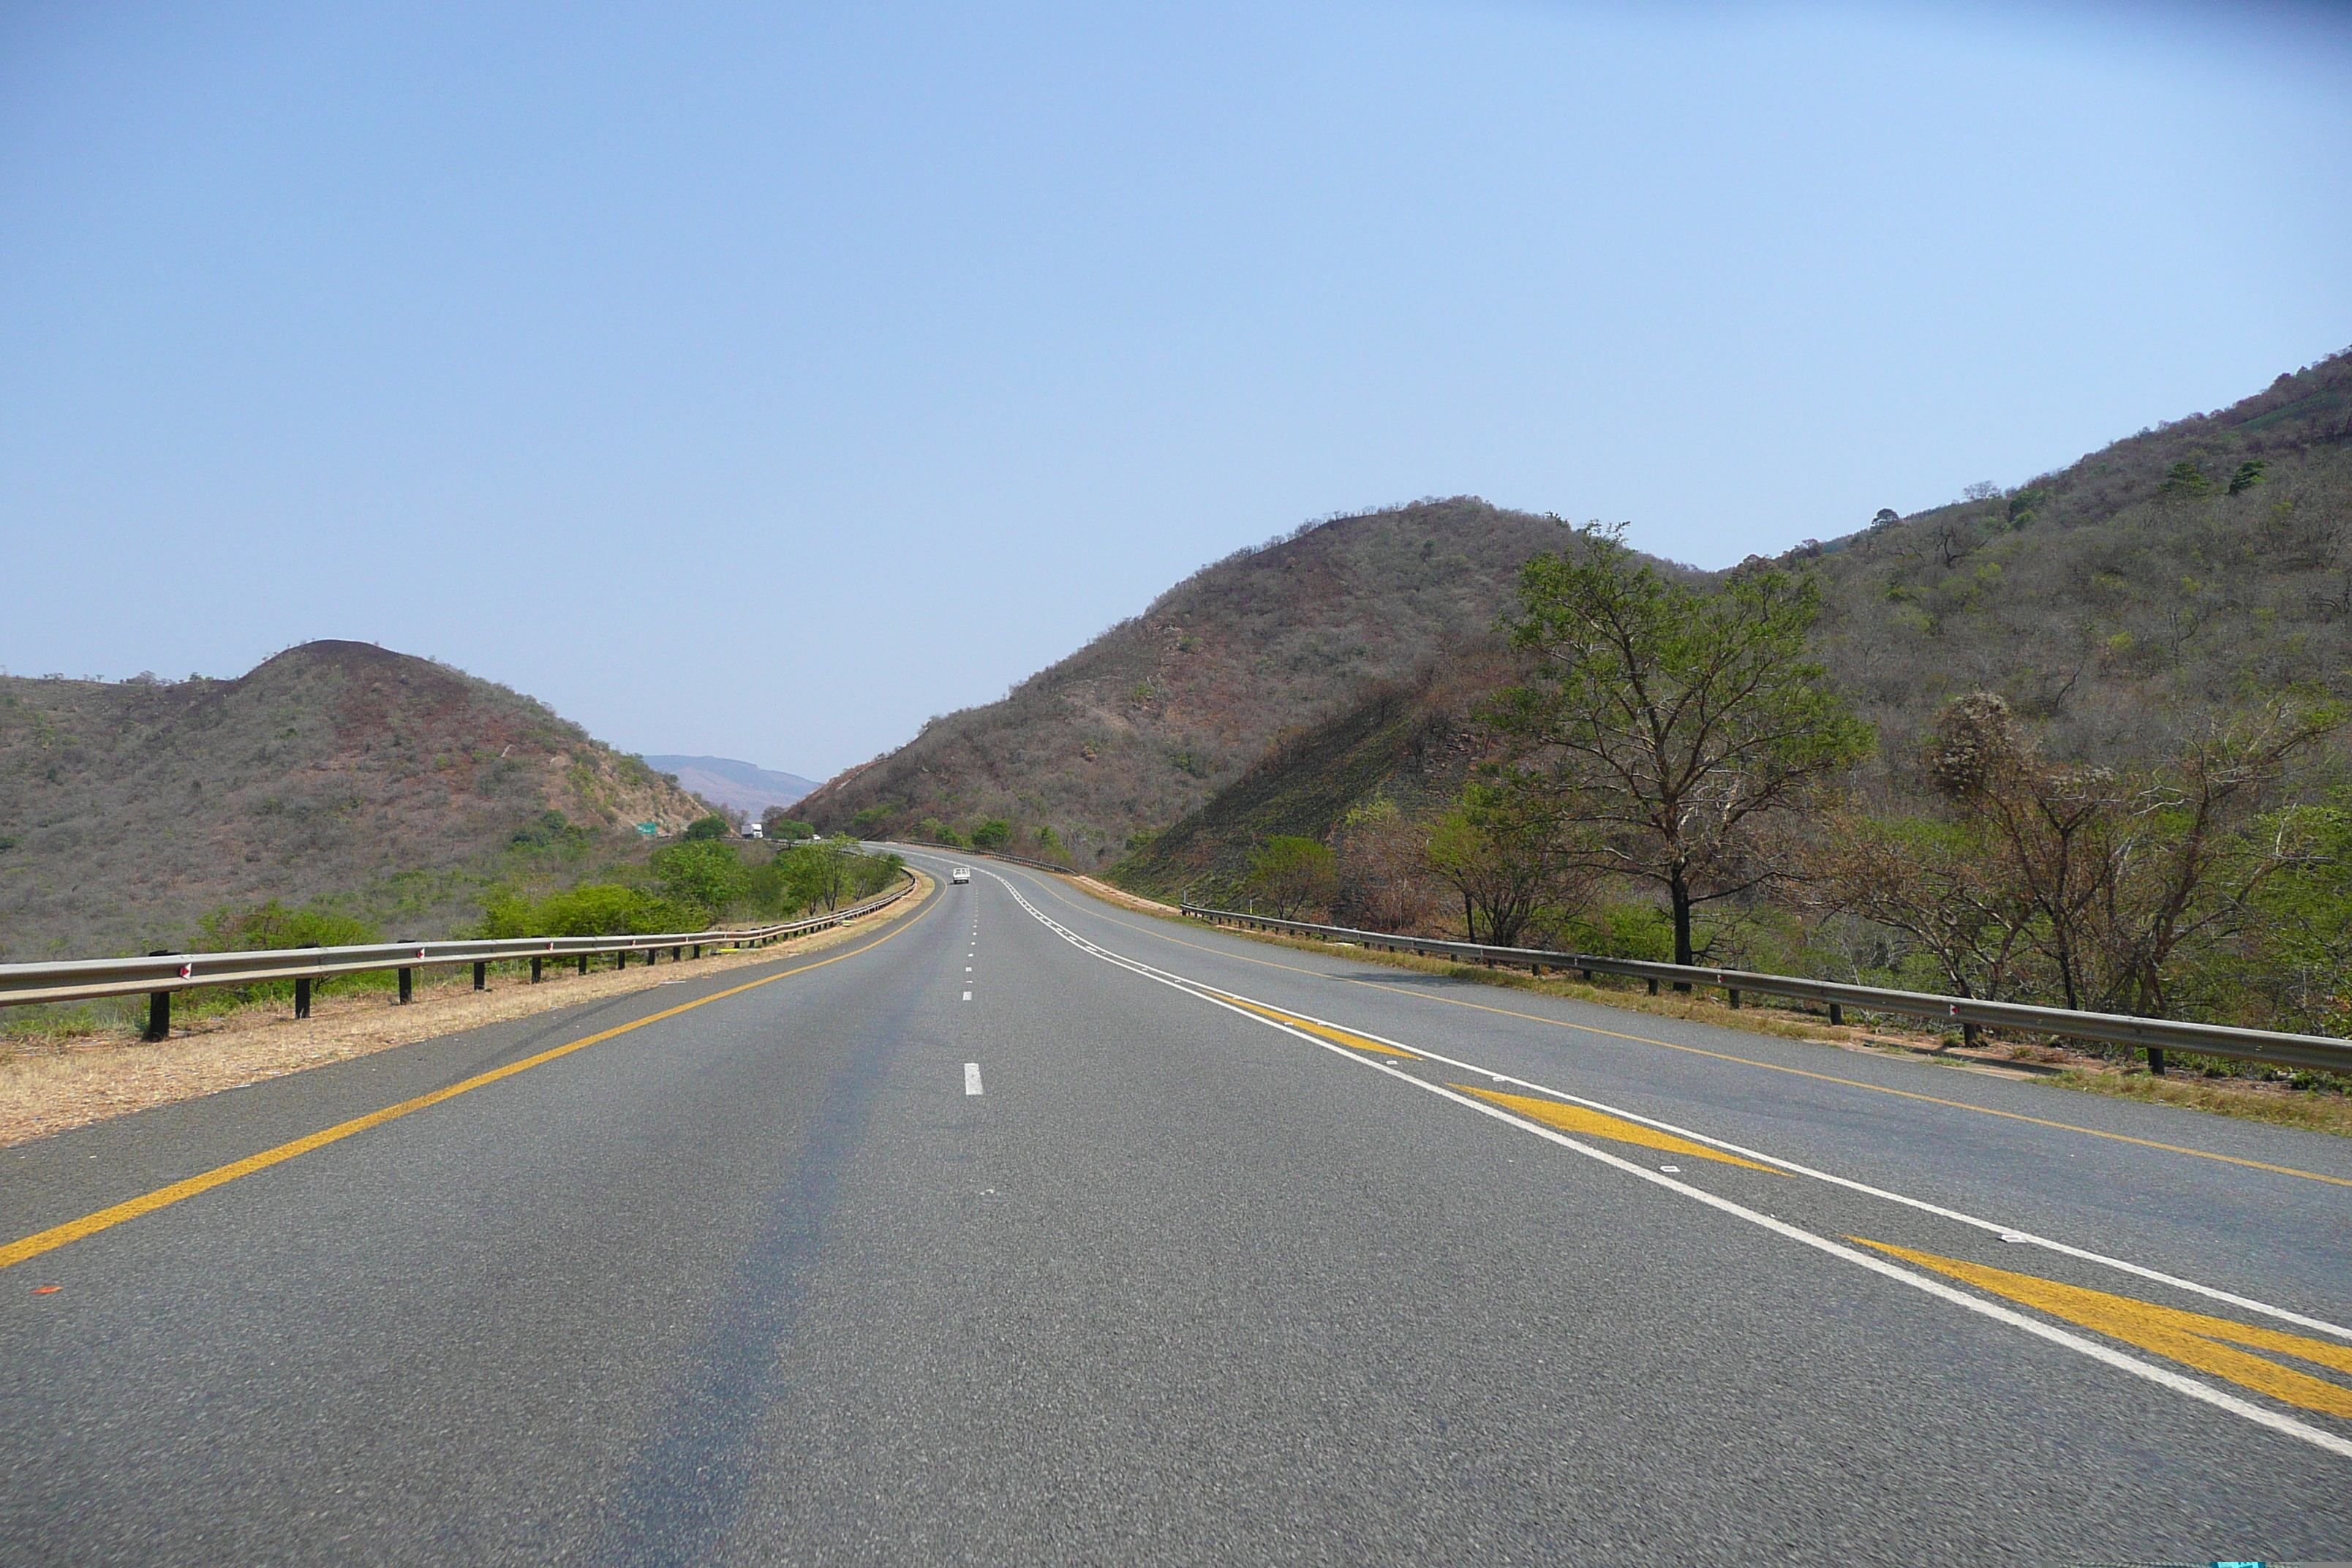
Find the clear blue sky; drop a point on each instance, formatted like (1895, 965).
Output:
(758, 380)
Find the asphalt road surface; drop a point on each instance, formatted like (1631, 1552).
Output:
(1030, 1230)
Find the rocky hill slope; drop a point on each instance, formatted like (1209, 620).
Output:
(335, 769)
(2116, 602)
(1150, 718)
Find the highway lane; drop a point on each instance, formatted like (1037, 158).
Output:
(766, 1281)
(2081, 1181)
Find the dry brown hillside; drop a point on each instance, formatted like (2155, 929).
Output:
(128, 809)
(1150, 718)
(2115, 603)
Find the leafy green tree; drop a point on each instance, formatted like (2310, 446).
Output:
(1293, 874)
(2185, 481)
(702, 874)
(1668, 723)
(992, 834)
(703, 827)
(2248, 474)
(1509, 861)
(825, 870)
(777, 824)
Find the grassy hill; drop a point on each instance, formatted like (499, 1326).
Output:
(336, 770)
(1152, 718)
(2114, 603)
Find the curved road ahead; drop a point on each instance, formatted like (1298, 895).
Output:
(1027, 1229)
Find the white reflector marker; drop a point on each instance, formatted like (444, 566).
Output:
(971, 1077)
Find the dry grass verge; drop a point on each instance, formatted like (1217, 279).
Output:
(47, 1087)
(2277, 1103)
(2281, 1104)
(1124, 899)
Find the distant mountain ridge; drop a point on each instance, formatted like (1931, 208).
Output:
(334, 770)
(724, 781)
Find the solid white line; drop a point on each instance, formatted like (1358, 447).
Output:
(2161, 1376)
(971, 1077)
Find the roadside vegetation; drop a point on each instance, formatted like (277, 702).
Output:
(2081, 744)
(692, 884)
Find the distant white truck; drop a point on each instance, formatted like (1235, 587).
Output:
(755, 830)
(960, 874)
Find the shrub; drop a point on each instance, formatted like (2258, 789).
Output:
(702, 875)
(597, 910)
(703, 827)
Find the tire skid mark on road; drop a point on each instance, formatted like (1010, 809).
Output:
(1297, 1025)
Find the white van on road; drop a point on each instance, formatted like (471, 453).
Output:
(960, 874)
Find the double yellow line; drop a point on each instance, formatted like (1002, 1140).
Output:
(164, 1197)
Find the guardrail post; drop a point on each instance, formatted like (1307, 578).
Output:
(698, 950)
(584, 964)
(534, 970)
(2156, 1060)
(1969, 1035)
(159, 1006)
(621, 959)
(302, 997)
(1654, 985)
(1837, 1013)
(481, 977)
(407, 981)
(1734, 996)
(676, 953)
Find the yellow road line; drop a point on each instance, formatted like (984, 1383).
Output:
(1744, 1061)
(1598, 1124)
(164, 1197)
(2191, 1338)
(1324, 1031)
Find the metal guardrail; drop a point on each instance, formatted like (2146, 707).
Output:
(2156, 1035)
(158, 975)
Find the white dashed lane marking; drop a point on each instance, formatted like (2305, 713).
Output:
(971, 1077)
